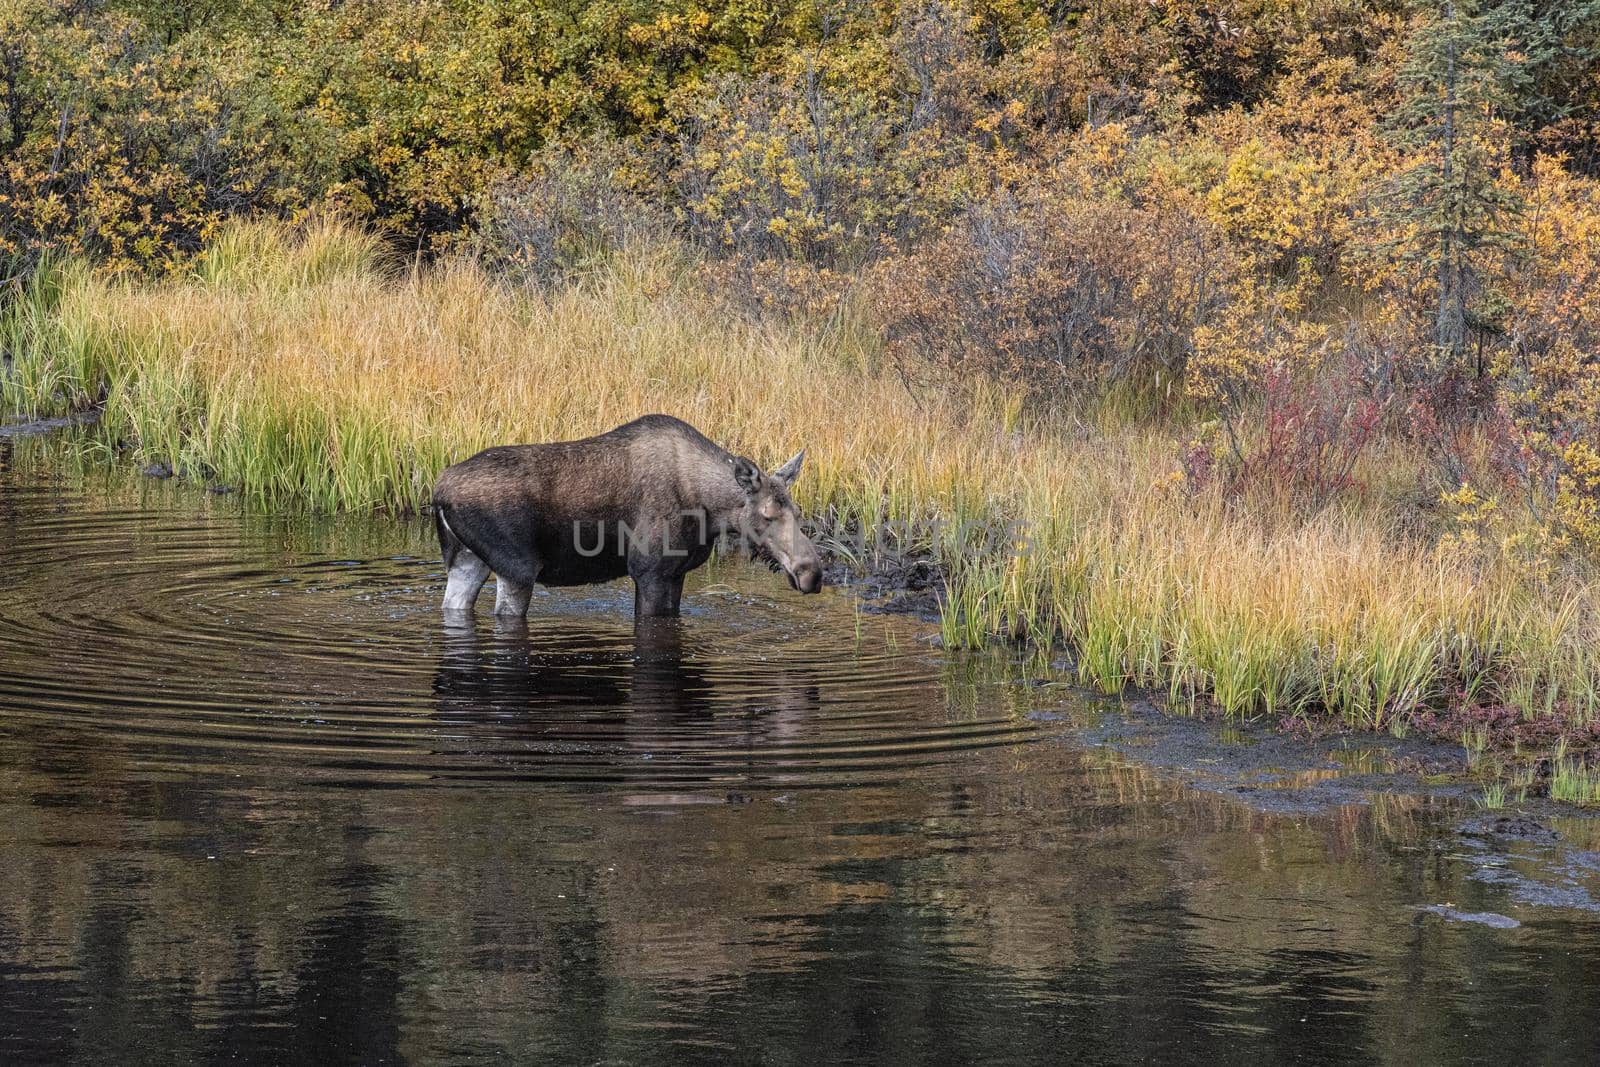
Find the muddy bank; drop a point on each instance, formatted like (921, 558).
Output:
(1540, 852)
(28, 426)
(1272, 769)
(1289, 765)
(892, 585)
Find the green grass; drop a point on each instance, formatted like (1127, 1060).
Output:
(1572, 781)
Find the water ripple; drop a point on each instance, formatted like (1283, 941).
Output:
(196, 644)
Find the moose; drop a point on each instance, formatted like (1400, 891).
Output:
(650, 500)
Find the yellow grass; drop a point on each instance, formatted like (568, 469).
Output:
(308, 372)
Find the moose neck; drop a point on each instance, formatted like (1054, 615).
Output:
(722, 498)
(723, 517)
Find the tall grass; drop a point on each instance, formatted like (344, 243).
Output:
(310, 370)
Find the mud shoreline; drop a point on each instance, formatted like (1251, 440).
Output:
(1540, 852)
(28, 426)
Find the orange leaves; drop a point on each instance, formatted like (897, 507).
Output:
(1055, 291)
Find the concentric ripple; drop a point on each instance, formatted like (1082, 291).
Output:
(185, 640)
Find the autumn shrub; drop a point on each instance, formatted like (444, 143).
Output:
(1259, 328)
(1054, 291)
(777, 167)
(1287, 180)
(1310, 431)
(1550, 371)
(113, 143)
(408, 112)
(1111, 64)
(569, 209)
(834, 157)
(1289, 208)
(1550, 397)
(1533, 497)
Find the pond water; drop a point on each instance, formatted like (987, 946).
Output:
(259, 803)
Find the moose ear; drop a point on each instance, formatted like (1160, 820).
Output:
(747, 474)
(790, 470)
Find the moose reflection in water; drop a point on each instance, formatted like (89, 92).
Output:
(656, 695)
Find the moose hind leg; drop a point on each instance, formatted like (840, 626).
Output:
(467, 575)
(511, 597)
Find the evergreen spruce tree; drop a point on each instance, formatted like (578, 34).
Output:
(1553, 103)
(1455, 86)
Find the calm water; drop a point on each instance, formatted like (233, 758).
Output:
(259, 804)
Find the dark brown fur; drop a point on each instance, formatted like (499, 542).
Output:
(647, 500)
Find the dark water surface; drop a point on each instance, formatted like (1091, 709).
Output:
(258, 803)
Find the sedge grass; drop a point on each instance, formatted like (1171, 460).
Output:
(309, 371)
(1573, 781)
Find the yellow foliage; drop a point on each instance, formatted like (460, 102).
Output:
(1260, 329)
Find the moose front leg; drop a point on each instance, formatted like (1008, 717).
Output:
(655, 595)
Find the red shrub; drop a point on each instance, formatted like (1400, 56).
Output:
(1312, 433)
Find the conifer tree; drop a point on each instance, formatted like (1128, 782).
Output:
(1447, 204)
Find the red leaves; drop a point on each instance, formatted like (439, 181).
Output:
(1313, 430)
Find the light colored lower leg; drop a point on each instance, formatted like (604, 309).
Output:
(467, 576)
(510, 598)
